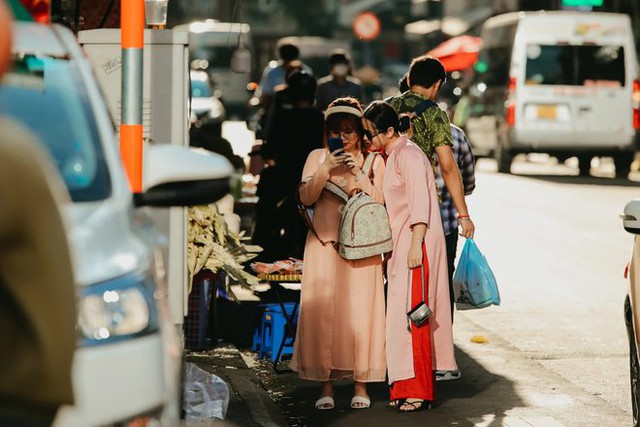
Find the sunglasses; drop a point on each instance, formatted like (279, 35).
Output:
(370, 135)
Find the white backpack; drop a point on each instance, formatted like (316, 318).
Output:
(364, 224)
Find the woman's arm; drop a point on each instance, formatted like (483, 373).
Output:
(414, 166)
(315, 175)
(414, 257)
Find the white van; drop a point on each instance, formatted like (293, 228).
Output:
(562, 83)
(211, 47)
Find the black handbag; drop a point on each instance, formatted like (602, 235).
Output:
(421, 312)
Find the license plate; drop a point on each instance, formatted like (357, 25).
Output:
(547, 112)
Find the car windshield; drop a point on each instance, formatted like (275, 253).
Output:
(46, 95)
(586, 65)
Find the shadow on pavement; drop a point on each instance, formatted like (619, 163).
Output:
(479, 395)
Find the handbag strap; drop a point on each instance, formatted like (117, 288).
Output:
(308, 221)
(409, 289)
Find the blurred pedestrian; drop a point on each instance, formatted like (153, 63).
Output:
(339, 83)
(417, 269)
(431, 131)
(275, 73)
(342, 313)
(282, 98)
(37, 288)
(297, 131)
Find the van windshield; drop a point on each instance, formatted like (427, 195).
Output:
(585, 65)
(217, 56)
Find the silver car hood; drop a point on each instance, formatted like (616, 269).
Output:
(103, 243)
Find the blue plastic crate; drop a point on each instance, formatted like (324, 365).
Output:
(273, 330)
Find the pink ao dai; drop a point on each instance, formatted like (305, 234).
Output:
(411, 197)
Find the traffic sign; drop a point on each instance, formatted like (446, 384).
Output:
(366, 26)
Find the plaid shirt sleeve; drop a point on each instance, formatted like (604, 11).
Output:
(464, 158)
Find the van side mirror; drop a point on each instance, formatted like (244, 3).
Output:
(241, 60)
(631, 217)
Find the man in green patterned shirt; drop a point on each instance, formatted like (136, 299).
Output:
(432, 131)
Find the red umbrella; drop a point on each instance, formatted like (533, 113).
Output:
(457, 53)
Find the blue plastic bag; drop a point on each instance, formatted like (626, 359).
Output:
(474, 285)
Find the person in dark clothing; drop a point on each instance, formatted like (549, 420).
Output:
(296, 131)
(209, 137)
(339, 83)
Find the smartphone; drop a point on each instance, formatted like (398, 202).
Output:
(334, 144)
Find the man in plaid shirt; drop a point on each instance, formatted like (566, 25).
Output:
(464, 158)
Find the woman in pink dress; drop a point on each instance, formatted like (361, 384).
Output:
(419, 256)
(341, 326)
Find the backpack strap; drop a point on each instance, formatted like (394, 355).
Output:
(367, 168)
(336, 191)
(421, 107)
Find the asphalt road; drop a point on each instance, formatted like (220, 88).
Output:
(556, 351)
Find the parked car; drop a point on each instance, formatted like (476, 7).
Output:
(631, 223)
(126, 369)
(207, 109)
(562, 83)
(215, 47)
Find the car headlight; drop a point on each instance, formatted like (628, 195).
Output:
(116, 310)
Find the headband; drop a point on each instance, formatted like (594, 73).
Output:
(342, 109)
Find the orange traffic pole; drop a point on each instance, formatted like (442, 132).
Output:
(132, 44)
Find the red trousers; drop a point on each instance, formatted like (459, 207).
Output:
(422, 385)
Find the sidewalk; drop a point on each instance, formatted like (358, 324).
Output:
(500, 387)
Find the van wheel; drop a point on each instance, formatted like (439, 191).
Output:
(584, 165)
(504, 158)
(623, 164)
(634, 365)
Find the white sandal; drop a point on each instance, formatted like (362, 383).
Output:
(325, 403)
(360, 402)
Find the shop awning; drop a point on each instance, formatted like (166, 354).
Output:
(458, 53)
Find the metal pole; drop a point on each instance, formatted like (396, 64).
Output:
(132, 43)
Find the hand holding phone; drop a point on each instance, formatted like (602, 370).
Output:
(335, 144)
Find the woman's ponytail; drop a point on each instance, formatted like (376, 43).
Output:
(404, 123)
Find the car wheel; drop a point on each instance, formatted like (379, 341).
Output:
(504, 158)
(584, 165)
(623, 164)
(634, 364)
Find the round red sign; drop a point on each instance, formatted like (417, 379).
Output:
(366, 26)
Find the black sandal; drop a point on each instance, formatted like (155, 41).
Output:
(416, 406)
(396, 403)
